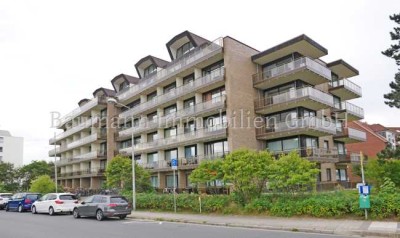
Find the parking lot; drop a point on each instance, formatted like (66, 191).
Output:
(23, 225)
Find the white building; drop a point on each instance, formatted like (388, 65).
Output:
(11, 148)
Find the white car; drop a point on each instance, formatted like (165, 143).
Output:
(53, 203)
(4, 197)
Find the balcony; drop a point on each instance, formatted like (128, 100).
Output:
(203, 135)
(352, 157)
(307, 97)
(73, 130)
(55, 152)
(82, 173)
(345, 89)
(198, 84)
(350, 135)
(81, 110)
(304, 68)
(191, 59)
(348, 111)
(81, 158)
(200, 109)
(311, 126)
(314, 154)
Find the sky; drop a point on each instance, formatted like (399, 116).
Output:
(54, 53)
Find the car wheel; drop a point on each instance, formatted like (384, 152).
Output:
(99, 215)
(20, 209)
(34, 210)
(75, 213)
(7, 208)
(51, 211)
(122, 217)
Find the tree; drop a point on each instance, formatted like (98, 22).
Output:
(389, 153)
(393, 98)
(291, 173)
(119, 175)
(207, 171)
(43, 184)
(30, 172)
(8, 178)
(377, 170)
(248, 171)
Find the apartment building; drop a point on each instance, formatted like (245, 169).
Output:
(214, 97)
(11, 149)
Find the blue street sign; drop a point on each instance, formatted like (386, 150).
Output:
(365, 189)
(174, 164)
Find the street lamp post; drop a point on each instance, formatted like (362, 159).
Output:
(55, 162)
(114, 101)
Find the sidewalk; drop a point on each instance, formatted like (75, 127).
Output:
(312, 225)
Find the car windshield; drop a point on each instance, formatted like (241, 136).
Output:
(68, 197)
(118, 200)
(32, 196)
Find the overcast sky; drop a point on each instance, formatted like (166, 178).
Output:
(54, 53)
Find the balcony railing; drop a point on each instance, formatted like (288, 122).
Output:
(356, 134)
(180, 115)
(304, 62)
(85, 140)
(83, 172)
(348, 85)
(313, 153)
(172, 69)
(214, 76)
(78, 111)
(74, 129)
(300, 123)
(295, 94)
(350, 108)
(216, 132)
(54, 151)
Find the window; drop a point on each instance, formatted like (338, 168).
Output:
(190, 151)
(103, 164)
(151, 96)
(126, 144)
(171, 154)
(215, 122)
(137, 140)
(1, 139)
(68, 197)
(134, 103)
(214, 95)
(336, 102)
(103, 113)
(149, 70)
(97, 199)
(1, 158)
(118, 200)
(152, 158)
(169, 181)
(152, 117)
(341, 175)
(1, 149)
(216, 148)
(189, 127)
(170, 132)
(189, 102)
(169, 87)
(50, 197)
(184, 49)
(328, 175)
(341, 148)
(123, 85)
(152, 136)
(214, 68)
(326, 145)
(154, 181)
(169, 110)
(188, 79)
(103, 148)
(285, 145)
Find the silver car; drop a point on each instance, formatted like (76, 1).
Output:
(4, 197)
(103, 206)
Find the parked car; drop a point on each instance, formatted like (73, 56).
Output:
(53, 203)
(4, 197)
(103, 206)
(22, 201)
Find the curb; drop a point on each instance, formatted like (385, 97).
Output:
(361, 233)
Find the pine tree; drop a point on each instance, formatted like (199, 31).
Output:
(393, 98)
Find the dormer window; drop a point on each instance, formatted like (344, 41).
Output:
(123, 85)
(149, 70)
(185, 48)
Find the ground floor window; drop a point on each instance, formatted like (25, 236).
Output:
(169, 181)
(341, 174)
(154, 181)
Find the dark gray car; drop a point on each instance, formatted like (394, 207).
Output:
(103, 206)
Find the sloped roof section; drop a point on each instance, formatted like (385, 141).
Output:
(107, 92)
(195, 39)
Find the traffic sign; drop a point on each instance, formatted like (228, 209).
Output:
(174, 164)
(365, 189)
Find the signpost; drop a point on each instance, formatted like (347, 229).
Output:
(174, 166)
(364, 190)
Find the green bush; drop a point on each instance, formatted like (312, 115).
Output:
(328, 205)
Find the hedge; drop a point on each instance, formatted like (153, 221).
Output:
(325, 205)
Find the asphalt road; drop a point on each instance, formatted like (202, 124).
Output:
(27, 225)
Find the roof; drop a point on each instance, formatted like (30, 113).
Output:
(83, 101)
(4, 133)
(160, 63)
(394, 129)
(291, 42)
(367, 127)
(377, 127)
(126, 78)
(195, 39)
(106, 91)
(345, 64)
